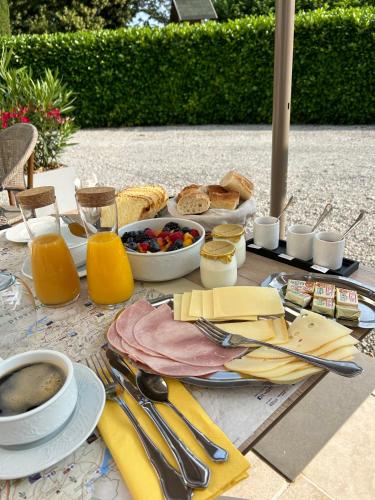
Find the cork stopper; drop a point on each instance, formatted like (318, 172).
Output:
(37, 197)
(231, 232)
(218, 250)
(96, 196)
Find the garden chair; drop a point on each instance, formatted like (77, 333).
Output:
(17, 145)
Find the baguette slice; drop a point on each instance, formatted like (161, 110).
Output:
(193, 203)
(192, 188)
(233, 181)
(228, 200)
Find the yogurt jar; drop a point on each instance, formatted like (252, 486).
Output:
(234, 233)
(218, 264)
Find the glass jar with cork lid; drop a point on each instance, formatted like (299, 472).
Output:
(234, 233)
(109, 275)
(218, 265)
(55, 276)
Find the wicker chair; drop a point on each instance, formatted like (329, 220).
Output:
(17, 145)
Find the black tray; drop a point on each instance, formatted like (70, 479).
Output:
(348, 266)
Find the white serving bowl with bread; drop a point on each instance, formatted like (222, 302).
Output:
(164, 266)
(230, 201)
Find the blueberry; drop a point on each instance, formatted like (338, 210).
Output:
(132, 246)
(171, 226)
(176, 246)
(154, 246)
(185, 229)
(130, 240)
(125, 237)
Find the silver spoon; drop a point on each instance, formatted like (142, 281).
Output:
(286, 206)
(361, 215)
(154, 387)
(327, 210)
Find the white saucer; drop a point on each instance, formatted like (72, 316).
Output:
(19, 234)
(35, 457)
(26, 269)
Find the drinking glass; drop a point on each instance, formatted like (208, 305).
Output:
(17, 313)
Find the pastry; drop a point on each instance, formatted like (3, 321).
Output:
(233, 181)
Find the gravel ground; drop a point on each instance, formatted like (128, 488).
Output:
(325, 163)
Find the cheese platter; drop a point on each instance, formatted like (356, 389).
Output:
(157, 337)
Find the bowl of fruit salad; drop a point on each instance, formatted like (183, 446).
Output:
(162, 249)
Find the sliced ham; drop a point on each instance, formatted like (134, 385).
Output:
(180, 341)
(160, 365)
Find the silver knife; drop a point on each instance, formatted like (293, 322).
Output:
(195, 473)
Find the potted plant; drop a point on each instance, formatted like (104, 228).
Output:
(46, 103)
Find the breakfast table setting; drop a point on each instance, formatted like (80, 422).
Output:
(147, 344)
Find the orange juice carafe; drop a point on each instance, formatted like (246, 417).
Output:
(109, 275)
(55, 276)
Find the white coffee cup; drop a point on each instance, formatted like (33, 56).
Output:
(328, 249)
(299, 241)
(266, 232)
(43, 420)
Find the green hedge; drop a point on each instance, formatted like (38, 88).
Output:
(213, 73)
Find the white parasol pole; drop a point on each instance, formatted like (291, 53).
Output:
(282, 86)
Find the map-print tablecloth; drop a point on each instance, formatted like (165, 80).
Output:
(79, 330)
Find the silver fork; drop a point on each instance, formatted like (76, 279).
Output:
(225, 339)
(171, 481)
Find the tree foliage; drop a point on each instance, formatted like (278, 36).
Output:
(233, 9)
(51, 16)
(4, 18)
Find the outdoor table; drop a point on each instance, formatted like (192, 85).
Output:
(247, 415)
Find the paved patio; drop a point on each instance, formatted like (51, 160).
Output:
(343, 470)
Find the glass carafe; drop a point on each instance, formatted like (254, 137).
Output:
(109, 275)
(55, 276)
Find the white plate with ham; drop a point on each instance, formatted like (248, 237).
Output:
(153, 340)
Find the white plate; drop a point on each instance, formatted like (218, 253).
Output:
(19, 234)
(26, 269)
(21, 461)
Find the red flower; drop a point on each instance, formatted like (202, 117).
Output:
(24, 119)
(54, 113)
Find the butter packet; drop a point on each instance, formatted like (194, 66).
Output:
(323, 306)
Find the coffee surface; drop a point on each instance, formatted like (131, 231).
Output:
(28, 387)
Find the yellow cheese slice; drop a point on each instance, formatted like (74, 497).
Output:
(337, 355)
(258, 330)
(237, 301)
(308, 331)
(336, 344)
(196, 304)
(185, 306)
(256, 366)
(177, 299)
(208, 308)
(281, 331)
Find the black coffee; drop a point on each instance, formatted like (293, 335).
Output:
(28, 387)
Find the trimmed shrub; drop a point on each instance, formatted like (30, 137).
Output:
(212, 73)
(4, 18)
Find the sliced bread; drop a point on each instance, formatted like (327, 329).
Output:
(233, 181)
(193, 203)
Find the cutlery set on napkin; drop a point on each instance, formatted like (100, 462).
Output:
(166, 446)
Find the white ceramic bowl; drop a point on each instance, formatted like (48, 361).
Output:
(77, 246)
(164, 266)
(50, 416)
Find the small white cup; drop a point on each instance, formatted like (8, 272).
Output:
(299, 241)
(38, 423)
(328, 249)
(266, 232)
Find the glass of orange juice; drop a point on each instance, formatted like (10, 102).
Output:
(55, 276)
(109, 275)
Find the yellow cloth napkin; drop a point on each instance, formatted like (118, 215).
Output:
(131, 459)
